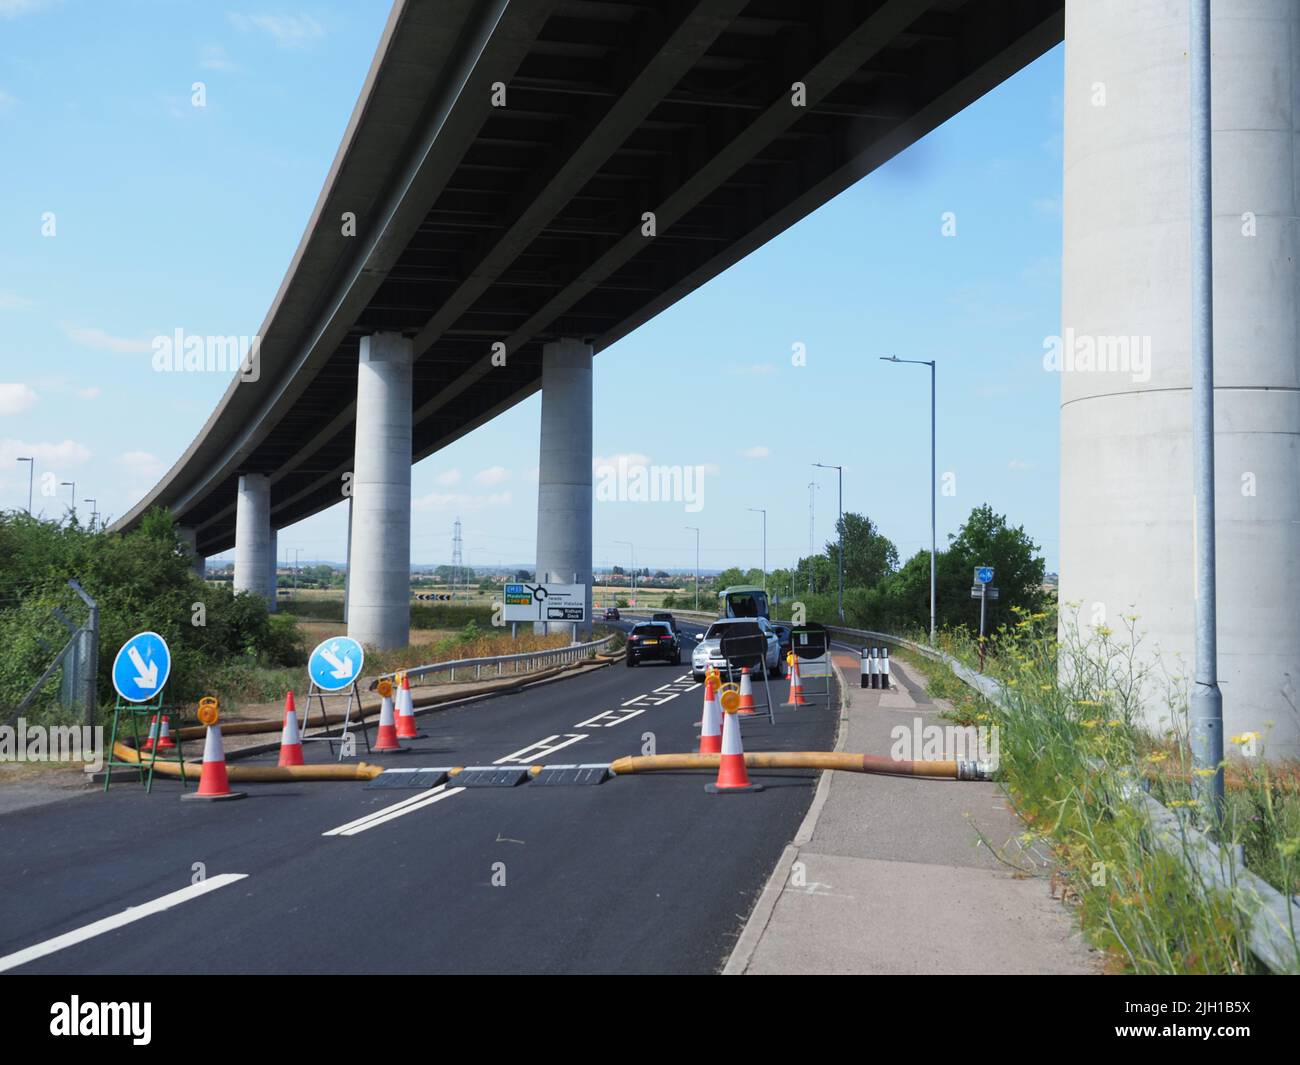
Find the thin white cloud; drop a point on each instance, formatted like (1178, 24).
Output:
(14, 8)
(143, 464)
(101, 340)
(448, 478)
(11, 301)
(288, 31)
(67, 453)
(215, 58)
(1019, 464)
(15, 398)
(460, 500)
(7, 101)
(492, 475)
(1050, 205)
(90, 392)
(758, 451)
(760, 369)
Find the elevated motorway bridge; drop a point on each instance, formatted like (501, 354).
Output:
(523, 182)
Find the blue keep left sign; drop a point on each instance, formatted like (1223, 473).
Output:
(336, 663)
(142, 667)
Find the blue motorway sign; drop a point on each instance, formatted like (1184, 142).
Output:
(984, 575)
(142, 667)
(336, 663)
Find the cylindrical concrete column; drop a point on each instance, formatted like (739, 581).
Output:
(253, 550)
(564, 478)
(191, 537)
(272, 583)
(1126, 463)
(347, 561)
(379, 566)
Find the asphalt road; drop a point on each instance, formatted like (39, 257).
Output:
(638, 874)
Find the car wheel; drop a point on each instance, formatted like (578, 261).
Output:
(630, 661)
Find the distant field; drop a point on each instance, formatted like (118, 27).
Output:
(328, 602)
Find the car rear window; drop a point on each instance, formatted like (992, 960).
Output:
(649, 630)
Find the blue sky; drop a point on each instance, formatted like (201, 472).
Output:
(168, 216)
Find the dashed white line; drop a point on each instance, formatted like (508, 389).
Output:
(108, 924)
(540, 749)
(398, 809)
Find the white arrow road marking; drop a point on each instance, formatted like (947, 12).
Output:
(398, 809)
(127, 916)
(147, 676)
(540, 749)
(342, 670)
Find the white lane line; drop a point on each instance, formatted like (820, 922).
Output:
(617, 718)
(127, 916)
(432, 796)
(382, 810)
(667, 699)
(540, 749)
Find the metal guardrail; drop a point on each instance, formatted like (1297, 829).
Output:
(550, 656)
(1274, 919)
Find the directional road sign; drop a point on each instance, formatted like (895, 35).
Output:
(142, 667)
(983, 574)
(545, 602)
(336, 663)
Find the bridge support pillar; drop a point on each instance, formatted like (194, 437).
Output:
(564, 477)
(272, 585)
(191, 537)
(1124, 354)
(253, 536)
(379, 563)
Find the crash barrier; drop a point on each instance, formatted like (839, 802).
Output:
(1275, 922)
(554, 656)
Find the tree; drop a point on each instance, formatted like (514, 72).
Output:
(987, 540)
(869, 556)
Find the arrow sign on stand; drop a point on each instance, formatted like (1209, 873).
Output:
(141, 668)
(336, 663)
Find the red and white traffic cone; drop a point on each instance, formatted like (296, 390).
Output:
(214, 784)
(796, 684)
(406, 729)
(165, 741)
(290, 737)
(746, 693)
(732, 774)
(711, 723)
(386, 741)
(153, 734)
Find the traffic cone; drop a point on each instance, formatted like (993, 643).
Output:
(153, 734)
(732, 774)
(406, 729)
(386, 741)
(214, 784)
(711, 723)
(746, 693)
(796, 685)
(290, 737)
(165, 741)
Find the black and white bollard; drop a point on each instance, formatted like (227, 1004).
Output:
(884, 668)
(875, 667)
(864, 663)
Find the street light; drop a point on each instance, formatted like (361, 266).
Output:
(31, 475)
(933, 474)
(760, 510)
(697, 564)
(632, 596)
(93, 513)
(840, 526)
(73, 486)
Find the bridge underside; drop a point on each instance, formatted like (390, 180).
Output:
(522, 224)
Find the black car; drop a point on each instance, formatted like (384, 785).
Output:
(784, 633)
(611, 613)
(652, 640)
(667, 619)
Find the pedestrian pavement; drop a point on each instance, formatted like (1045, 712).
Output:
(908, 874)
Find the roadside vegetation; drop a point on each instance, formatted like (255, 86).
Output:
(1074, 743)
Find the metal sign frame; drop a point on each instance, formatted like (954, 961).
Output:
(354, 695)
(735, 648)
(819, 662)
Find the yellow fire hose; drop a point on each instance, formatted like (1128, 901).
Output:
(849, 763)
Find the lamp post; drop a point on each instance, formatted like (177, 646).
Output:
(933, 475)
(31, 476)
(840, 526)
(73, 486)
(697, 564)
(760, 510)
(93, 513)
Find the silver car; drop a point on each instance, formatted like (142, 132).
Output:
(708, 651)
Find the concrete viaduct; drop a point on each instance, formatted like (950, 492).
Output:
(523, 182)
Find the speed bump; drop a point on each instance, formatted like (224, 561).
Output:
(409, 778)
(572, 774)
(490, 776)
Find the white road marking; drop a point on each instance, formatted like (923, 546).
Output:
(618, 716)
(127, 916)
(409, 801)
(432, 796)
(540, 749)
